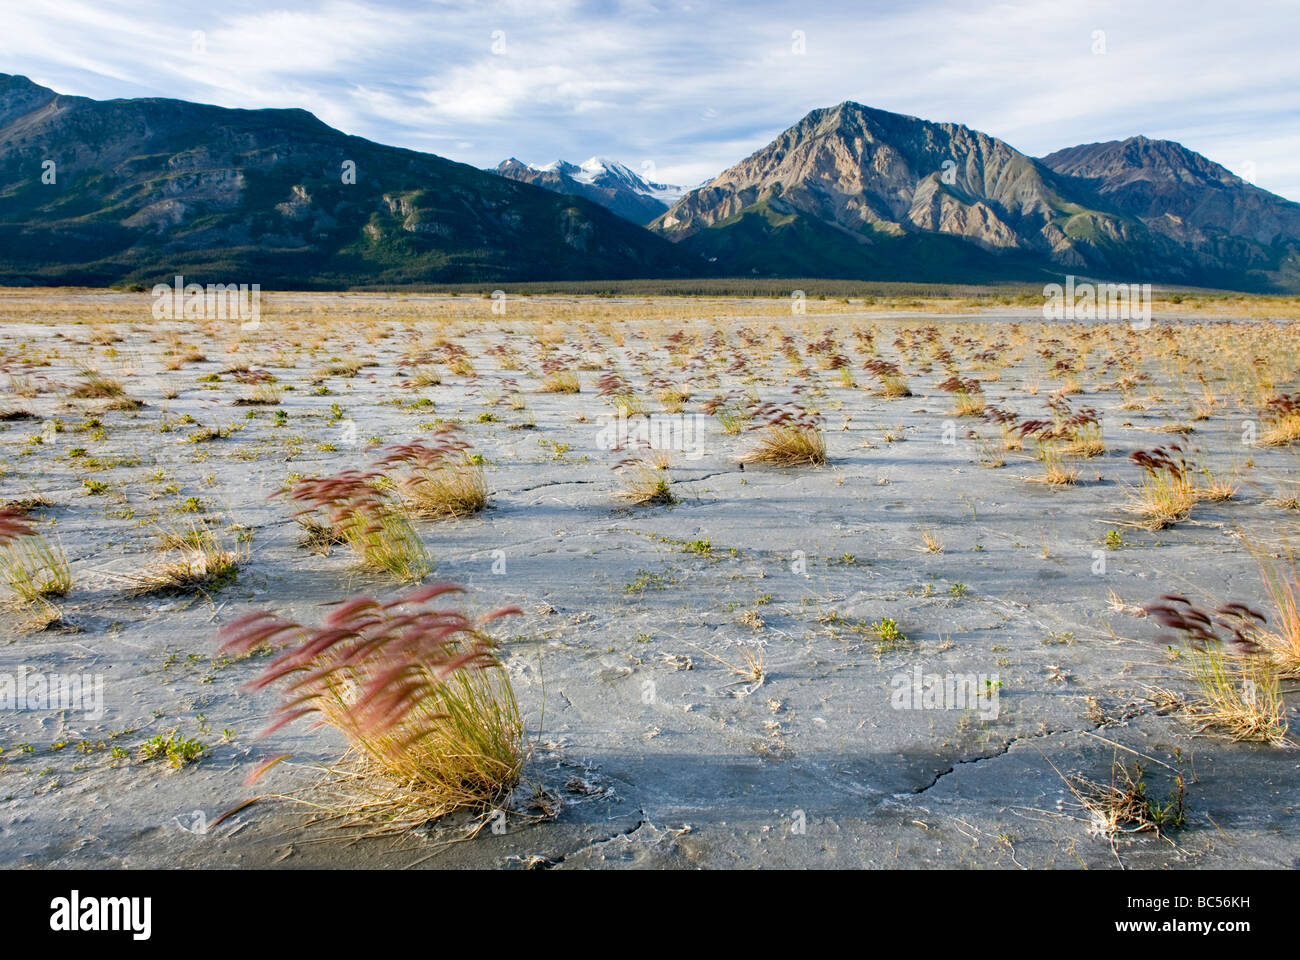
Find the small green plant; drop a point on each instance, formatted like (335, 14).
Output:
(172, 747)
(702, 547)
(890, 637)
(1114, 540)
(646, 580)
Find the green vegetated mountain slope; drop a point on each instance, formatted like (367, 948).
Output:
(872, 194)
(147, 188)
(1195, 202)
(144, 189)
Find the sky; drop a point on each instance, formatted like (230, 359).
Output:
(679, 91)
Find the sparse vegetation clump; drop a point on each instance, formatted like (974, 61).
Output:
(1050, 449)
(730, 409)
(1167, 491)
(789, 436)
(178, 751)
(420, 693)
(34, 569)
(615, 388)
(1079, 430)
(558, 378)
(890, 377)
(437, 478)
(195, 557)
(422, 374)
(1237, 691)
(645, 478)
(1281, 416)
(1125, 805)
(1280, 639)
(1007, 422)
(262, 388)
(967, 394)
(356, 508)
(97, 386)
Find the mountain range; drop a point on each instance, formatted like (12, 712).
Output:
(138, 190)
(864, 193)
(607, 182)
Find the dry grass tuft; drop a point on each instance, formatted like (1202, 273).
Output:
(1167, 491)
(438, 479)
(1238, 692)
(357, 511)
(198, 560)
(96, 386)
(1007, 422)
(1281, 418)
(1281, 639)
(420, 693)
(263, 390)
(1057, 470)
(750, 671)
(615, 388)
(1124, 806)
(791, 436)
(891, 379)
(645, 478)
(967, 394)
(557, 378)
(30, 566)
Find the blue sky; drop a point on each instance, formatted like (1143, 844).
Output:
(682, 90)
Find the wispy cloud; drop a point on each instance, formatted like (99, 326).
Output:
(694, 87)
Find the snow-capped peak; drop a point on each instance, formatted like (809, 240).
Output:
(611, 175)
(555, 166)
(595, 166)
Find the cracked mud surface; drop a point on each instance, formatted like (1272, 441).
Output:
(663, 758)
